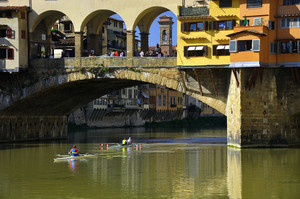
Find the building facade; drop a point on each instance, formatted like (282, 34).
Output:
(268, 36)
(202, 33)
(13, 38)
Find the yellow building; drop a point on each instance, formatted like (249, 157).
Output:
(202, 33)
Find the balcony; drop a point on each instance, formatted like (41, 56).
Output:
(289, 10)
(193, 11)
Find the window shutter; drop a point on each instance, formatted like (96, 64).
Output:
(278, 47)
(185, 51)
(205, 51)
(273, 48)
(298, 46)
(215, 25)
(10, 53)
(182, 27)
(9, 33)
(23, 34)
(210, 25)
(256, 45)
(205, 25)
(291, 47)
(271, 25)
(233, 46)
(233, 23)
(215, 50)
(22, 15)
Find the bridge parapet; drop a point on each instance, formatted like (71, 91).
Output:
(156, 62)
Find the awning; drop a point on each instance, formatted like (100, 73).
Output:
(226, 47)
(220, 47)
(191, 48)
(199, 48)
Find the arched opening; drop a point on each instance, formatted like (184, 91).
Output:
(105, 33)
(157, 32)
(46, 33)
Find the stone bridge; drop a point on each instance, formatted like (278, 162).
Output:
(262, 105)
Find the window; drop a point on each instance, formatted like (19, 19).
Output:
(67, 27)
(296, 22)
(130, 93)
(271, 25)
(200, 26)
(159, 100)
(195, 51)
(115, 24)
(291, 2)
(245, 45)
(254, 3)
(23, 34)
(221, 50)
(226, 25)
(285, 47)
(242, 22)
(6, 32)
(289, 46)
(164, 100)
(22, 15)
(285, 23)
(6, 14)
(225, 3)
(6, 53)
(221, 25)
(194, 26)
(257, 21)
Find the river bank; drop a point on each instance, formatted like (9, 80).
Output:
(202, 122)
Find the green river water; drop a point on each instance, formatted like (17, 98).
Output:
(177, 163)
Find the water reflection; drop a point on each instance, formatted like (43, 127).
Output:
(175, 168)
(267, 173)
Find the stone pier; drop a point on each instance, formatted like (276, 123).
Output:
(25, 128)
(262, 109)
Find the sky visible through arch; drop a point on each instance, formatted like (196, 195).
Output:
(154, 29)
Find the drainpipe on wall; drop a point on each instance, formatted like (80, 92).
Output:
(28, 36)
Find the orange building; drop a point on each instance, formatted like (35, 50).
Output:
(165, 99)
(268, 35)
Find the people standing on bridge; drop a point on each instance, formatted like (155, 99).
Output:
(124, 142)
(122, 54)
(142, 54)
(74, 151)
(116, 54)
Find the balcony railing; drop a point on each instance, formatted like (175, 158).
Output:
(288, 10)
(194, 11)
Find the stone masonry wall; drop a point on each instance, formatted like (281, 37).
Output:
(258, 116)
(18, 128)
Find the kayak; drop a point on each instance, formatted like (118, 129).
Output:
(69, 157)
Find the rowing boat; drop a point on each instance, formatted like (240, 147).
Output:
(68, 157)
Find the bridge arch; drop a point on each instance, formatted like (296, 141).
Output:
(63, 94)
